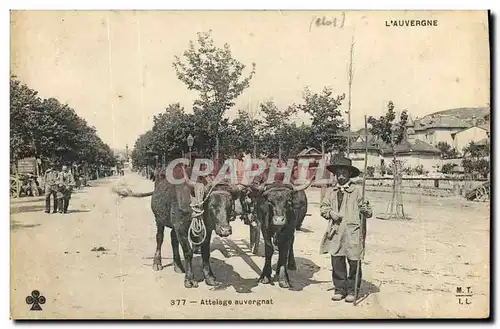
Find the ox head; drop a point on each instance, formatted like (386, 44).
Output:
(218, 206)
(279, 199)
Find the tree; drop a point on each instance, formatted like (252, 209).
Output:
(142, 145)
(49, 130)
(448, 168)
(295, 139)
(476, 159)
(242, 133)
(392, 132)
(23, 102)
(275, 127)
(216, 75)
(327, 121)
(170, 131)
(447, 152)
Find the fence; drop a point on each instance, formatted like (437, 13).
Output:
(426, 185)
(421, 185)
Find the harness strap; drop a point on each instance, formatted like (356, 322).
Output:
(197, 228)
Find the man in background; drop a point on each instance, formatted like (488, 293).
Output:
(66, 182)
(50, 182)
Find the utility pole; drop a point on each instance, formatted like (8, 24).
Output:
(350, 76)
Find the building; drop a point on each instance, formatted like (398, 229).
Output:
(314, 156)
(462, 138)
(435, 129)
(412, 151)
(357, 153)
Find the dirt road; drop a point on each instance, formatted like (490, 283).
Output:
(411, 269)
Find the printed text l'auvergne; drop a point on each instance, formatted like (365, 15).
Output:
(411, 22)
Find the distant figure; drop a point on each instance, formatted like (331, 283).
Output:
(66, 182)
(51, 180)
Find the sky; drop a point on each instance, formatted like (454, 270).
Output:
(115, 67)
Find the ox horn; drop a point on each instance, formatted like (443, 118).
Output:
(303, 187)
(186, 178)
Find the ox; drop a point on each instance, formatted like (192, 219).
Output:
(277, 207)
(171, 207)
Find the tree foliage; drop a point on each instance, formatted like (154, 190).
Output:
(387, 128)
(49, 130)
(476, 159)
(447, 152)
(327, 121)
(217, 77)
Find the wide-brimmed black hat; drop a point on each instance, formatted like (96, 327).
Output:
(340, 161)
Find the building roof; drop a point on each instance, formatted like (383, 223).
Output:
(441, 121)
(360, 146)
(415, 146)
(484, 127)
(412, 147)
(410, 122)
(309, 151)
(484, 141)
(465, 112)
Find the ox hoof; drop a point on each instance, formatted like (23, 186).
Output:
(157, 266)
(211, 281)
(190, 283)
(285, 284)
(178, 269)
(265, 280)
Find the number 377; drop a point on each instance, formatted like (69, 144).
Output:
(178, 302)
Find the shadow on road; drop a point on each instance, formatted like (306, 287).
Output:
(367, 288)
(302, 277)
(15, 225)
(226, 275)
(31, 208)
(304, 230)
(29, 199)
(76, 211)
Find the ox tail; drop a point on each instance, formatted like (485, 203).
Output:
(126, 192)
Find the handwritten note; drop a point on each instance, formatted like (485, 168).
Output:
(328, 21)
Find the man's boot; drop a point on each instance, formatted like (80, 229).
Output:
(60, 205)
(66, 204)
(55, 205)
(47, 205)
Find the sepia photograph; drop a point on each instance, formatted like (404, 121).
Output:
(257, 164)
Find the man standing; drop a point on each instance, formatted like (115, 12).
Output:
(51, 180)
(343, 207)
(66, 184)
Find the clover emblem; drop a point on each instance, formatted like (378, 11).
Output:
(35, 300)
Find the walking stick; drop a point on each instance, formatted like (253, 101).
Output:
(362, 217)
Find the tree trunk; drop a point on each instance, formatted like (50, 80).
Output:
(394, 175)
(217, 146)
(254, 152)
(323, 187)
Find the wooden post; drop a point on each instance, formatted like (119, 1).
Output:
(323, 187)
(363, 223)
(350, 76)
